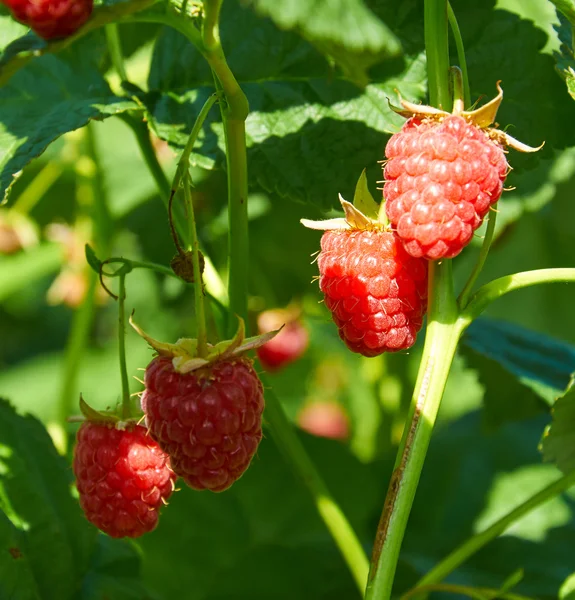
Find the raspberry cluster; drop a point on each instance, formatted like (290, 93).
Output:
(209, 421)
(375, 291)
(441, 178)
(123, 478)
(51, 19)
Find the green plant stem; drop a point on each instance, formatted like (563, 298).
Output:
(437, 52)
(442, 335)
(202, 334)
(234, 109)
(479, 540)
(213, 283)
(342, 532)
(485, 247)
(126, 408)
(499, 287)
(238, 219)
(464, 590)
(460, 54)
(38, 187)
(115, 50)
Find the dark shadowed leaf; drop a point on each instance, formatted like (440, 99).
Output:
(558, 443)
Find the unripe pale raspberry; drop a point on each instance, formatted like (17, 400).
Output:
(287, 346)
(123, 478)
(51, 19)
(441, 178)
(209, 420)
(376, 292)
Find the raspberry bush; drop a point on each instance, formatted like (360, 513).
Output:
(324, 212)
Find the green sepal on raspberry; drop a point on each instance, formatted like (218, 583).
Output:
(205, 412)
(375, 291)
(122, 475)
(443, 173)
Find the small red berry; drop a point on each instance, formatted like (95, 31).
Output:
(287, 346)
(324, 419)
(441, 178)
(51, 19)
(123, 478)
(376, 292)
(209, 420)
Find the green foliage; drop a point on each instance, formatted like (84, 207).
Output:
(48, 550)
(558, 443)
(311, 131)
(50, 94)
(347, 32)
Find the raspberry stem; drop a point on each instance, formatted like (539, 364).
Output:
(456, 32)
(115, 50)
(499, 287)
(126, 409)
(489, 231)
(444, 329)
(199, 295)
(479, 540)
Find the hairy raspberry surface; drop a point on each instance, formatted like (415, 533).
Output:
(376, 292)
(51, 19)
(123, 478)
(440, 180)
(209, 421)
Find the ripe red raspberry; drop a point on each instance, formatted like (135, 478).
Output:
(375, 291)
(287, 346)
(123, 478)
(441, 178)
(209, 420)
(51, 19)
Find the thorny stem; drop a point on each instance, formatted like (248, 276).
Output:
(126, 409)
(202, 334)
(485, 247)
(479, 540)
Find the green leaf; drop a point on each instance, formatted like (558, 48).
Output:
(567, 591)
(16, 576)
(91, 258)
(56, 95)
(308, 134)
(35, 482)
(558, 443)
(363, 200)
(345, 30)
(540, 362)
(262, 534)
(564, 58)
(567, 8)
